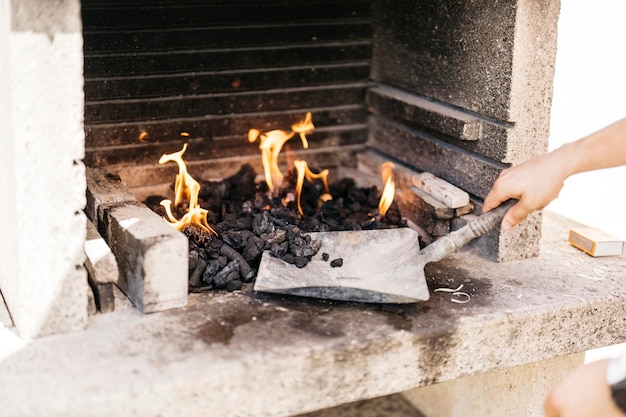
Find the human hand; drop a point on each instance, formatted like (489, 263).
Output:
(535, 183)
(583, 393)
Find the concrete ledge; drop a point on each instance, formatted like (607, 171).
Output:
(243, 354)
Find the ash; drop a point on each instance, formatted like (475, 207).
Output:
(249, 220)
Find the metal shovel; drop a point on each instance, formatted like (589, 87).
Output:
(379, 266)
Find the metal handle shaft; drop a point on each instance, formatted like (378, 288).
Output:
(473, 229)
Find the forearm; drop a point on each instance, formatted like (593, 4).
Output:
(604, 148)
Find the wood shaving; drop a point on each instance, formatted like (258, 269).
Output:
(449, 289)
(462, 297)
(460, 300)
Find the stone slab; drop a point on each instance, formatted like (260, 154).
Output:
(152, 257)
(243, 354)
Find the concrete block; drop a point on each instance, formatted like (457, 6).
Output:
(102, 269)
(428, 113)
(152, 257)
(104, 190)
(496, 62)
(419, 150)
(41, 251)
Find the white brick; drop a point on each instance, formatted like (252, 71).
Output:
(152, 257)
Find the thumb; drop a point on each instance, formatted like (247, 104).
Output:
(514, 216)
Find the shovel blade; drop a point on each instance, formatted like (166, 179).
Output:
(379, 266)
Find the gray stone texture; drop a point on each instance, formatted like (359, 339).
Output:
(448, 58)
(245, 354)
(151, 254)
(43, 228)
(152, 257)
(104, 191)
(518, 391)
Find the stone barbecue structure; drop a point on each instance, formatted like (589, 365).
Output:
(459, 89)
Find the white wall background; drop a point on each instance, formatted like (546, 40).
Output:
(589, 93)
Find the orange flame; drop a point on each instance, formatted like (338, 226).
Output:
(271, 144)
(302, 168)
(389, 190)
(185, 187)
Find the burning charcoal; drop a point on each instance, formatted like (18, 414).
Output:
(262, 224)
(336, 263)
(261, 201)
(210, 271)
(286, 215)
(279, 249)
(229, 273)
(247, 207)
(325, 256)
(237, 238)
(253, 249)
(234, 285)
(154, 203)
(196, 275)
(301, 261)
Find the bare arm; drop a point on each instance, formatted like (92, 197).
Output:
(538, 181)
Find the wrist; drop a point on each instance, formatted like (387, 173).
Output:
(616, 380)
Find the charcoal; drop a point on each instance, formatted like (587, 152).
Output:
(237, 238)
(300, 247)
(262, 224)
(245, 271)
(213, 267)
(285, 215)
(336, 263)
(234, 285)
(194, 258)
(249, 220)
(261, 201)
(242, 223)
(301, 261)
(253, 250)
(289, 258)
(229, 273)
(278, 236)
(196, 275)
(279, 249)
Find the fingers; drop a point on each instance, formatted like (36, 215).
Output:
(514, 216)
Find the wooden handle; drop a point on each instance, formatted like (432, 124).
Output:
(448, 244)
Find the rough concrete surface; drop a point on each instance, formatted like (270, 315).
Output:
(43, 177)
(242, 354)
